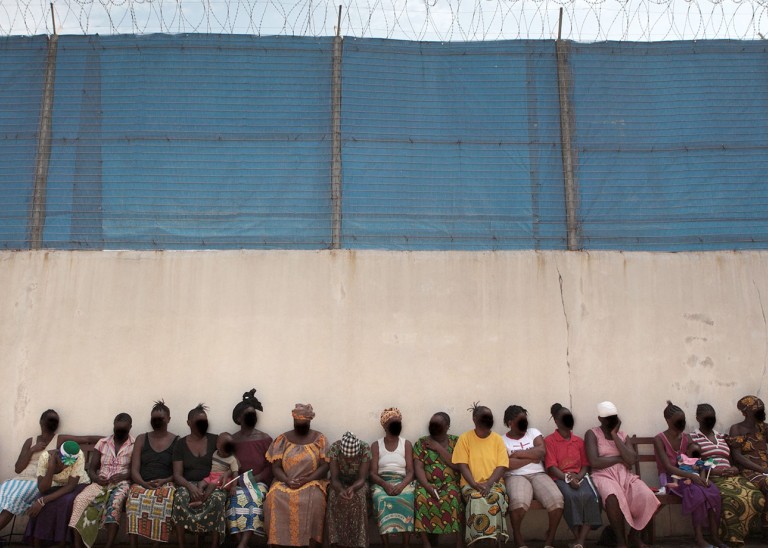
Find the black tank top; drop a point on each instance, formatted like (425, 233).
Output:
(156, 464)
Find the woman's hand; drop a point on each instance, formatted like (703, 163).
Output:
(35, 508)
(483, 487)
(297, 482)
(698, 480)
(39, 446)
(195, 493)
(397, 489)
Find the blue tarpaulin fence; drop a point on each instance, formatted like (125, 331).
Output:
(222, 142)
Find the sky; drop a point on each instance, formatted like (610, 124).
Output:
(430, 20)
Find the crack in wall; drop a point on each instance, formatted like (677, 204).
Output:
(765, 327)
(567, 336)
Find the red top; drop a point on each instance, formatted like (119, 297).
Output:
(569, 455)
(251, 456)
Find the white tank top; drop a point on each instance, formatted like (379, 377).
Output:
(392, 461)
(30, 472)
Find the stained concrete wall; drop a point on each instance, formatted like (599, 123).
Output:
(92, 334)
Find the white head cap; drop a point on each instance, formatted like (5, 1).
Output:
(606, 409)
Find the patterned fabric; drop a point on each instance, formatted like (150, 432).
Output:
(60, 479)
(114, 462)
(486, 516)
(637, 502)
(97, 506)
(749, 403)
(350, 444)
(303, 412)
(443, 515)
(246, 506)
(348, 519)
(742, 508)
(753, 447)
(742, 502)
(208, 518)
(293, 517)
(17, 495)
(149, 511)
(394, 514)
(390, 413)
(349, 468)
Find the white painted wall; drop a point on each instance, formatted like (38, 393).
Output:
(92, 334)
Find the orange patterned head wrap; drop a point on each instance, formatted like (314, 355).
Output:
(303, 412)
(389, 414)
(749, 403)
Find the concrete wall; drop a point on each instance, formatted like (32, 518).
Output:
(92, 334)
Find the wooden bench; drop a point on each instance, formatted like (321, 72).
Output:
(645, 454)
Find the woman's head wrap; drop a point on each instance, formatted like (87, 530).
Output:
(390, 413)
(350, 445)
(749, 403)
(249, 400)
(606, 409)
(69, 451)
(303, 412)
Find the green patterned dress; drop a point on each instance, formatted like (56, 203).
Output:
(435, 516)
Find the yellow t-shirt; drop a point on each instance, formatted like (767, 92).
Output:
(482, 455)
(62, 478)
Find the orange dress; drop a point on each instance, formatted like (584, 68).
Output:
(293, 517)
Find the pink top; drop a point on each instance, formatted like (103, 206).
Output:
(606, 447)
(114, 463)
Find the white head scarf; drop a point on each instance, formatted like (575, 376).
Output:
(606, 409)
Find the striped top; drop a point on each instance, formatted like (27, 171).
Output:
(719, 451)
(114, 462)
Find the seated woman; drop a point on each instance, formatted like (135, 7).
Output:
(391, 476)
(742, 502)
(192, 458)
(347, 515)
(748, 440)
(567, 464)
(101, 503)
(624, 494)
(150, 499)
(482, 460)
(60, 478)
(526, 478)
(438, 495)
(245, 513)
(18, 494)
(701, 498)
(300, 468)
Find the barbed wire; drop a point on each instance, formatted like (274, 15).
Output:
(430, 20)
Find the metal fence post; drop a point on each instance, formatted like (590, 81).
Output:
(564, 85)
(43, 155)
(336, 139)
